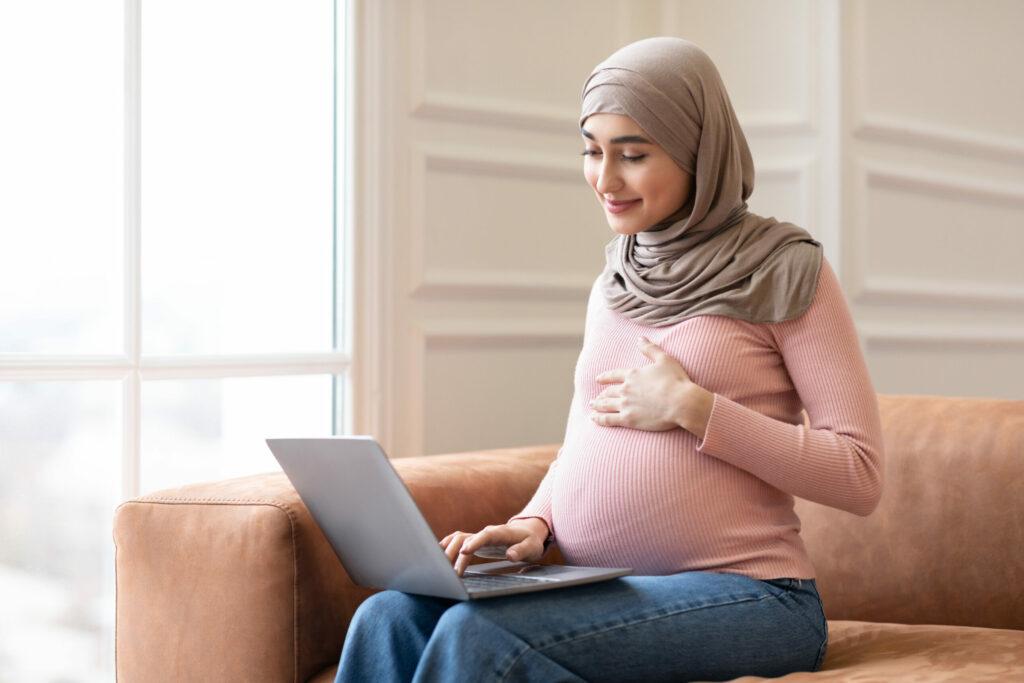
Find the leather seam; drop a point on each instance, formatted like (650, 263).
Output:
(208, 501)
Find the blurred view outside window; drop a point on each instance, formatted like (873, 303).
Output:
(169, 253)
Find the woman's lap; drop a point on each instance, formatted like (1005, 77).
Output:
(685, 626)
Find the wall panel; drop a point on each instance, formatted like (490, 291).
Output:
(921, 226)
(500, 219)
(495, 391)
(945, 64)
(934, 193)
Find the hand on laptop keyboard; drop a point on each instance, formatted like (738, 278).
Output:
(524, 539)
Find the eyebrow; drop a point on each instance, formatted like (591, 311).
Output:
(622, 140)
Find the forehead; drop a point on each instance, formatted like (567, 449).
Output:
(603, 127)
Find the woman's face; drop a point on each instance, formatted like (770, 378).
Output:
(637, 182)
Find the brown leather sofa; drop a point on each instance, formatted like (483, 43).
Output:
(232, 580)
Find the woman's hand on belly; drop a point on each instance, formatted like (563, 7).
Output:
(525, 539)
(654, 397)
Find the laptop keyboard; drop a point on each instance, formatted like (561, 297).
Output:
(480, 582)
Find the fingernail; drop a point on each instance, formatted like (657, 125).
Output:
(512, 555)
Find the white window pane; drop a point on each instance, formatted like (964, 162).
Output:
(60, 452)
(237, 176)
(203, 430)
(61, 254)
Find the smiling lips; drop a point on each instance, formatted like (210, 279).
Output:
(612, 206)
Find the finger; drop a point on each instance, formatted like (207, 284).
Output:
(461, 563)
(492, 535)
(616, 376)
(454, 545)
(606, 405)
(607, 419)
(650, 349)
(611, 391)
(472, 542)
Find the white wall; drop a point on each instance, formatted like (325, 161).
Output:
(933, 192)
(476, 239)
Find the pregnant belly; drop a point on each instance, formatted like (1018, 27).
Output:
(632, 499)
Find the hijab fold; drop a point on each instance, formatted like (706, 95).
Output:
(711, 257)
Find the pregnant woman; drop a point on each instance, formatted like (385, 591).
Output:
(710, 335)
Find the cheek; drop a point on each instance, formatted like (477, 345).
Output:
(671, 194)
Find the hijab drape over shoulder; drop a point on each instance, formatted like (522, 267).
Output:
(712, 257)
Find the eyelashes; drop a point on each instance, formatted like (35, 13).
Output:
(625, 157)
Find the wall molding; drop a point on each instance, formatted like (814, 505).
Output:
(946, 139)
(376, 218)
(506, 113)
(500, 333)
(442, 283)
(866, 288)
(892, 291)
(454, 107)
(506, 162)
(463, 108)
(427, 282)
(943, 185)
(801, 172)
(907, 132)
(462, 334)
(445, 283)
(900, 336)
(458, 108)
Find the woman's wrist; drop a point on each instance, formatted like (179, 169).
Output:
(695, 409)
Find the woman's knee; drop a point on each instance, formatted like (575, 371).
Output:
(459, 620)
(393, 610)
(385, 601)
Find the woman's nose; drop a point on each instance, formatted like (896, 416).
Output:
(608, 178)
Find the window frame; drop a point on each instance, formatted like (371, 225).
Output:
(134, 367)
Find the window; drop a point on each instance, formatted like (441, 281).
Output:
(169, 291)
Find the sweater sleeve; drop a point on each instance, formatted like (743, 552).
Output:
(836, 459)
(540, 503)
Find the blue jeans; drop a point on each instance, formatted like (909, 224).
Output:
(689, 626)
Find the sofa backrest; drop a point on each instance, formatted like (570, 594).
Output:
(946, 544)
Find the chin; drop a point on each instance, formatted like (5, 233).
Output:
(625, 229)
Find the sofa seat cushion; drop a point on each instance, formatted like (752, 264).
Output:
(326, 676)
(867, 652)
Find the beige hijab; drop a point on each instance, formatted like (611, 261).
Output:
(712, 257)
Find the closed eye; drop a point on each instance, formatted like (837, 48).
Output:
(625, 157)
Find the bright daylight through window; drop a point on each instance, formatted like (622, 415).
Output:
(170, 251)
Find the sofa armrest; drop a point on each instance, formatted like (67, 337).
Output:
(233, 580)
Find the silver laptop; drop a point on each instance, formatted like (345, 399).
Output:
(380, 536)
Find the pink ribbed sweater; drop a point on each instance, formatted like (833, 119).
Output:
(666, 502)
